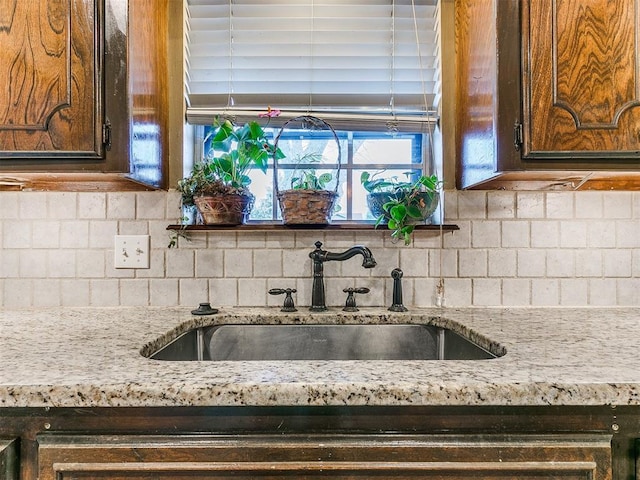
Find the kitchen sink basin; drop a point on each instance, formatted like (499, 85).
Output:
(321, 342)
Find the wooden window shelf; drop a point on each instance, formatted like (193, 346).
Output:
(345, 227)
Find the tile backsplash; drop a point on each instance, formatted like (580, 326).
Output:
(512, 249)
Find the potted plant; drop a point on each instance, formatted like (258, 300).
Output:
(309, 201)
(218, 186)
(401, 204)
(310, 180)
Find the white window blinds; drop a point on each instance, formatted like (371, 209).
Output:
(373, 60)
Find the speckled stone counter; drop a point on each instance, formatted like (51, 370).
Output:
(94, 358)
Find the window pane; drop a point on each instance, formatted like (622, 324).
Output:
(387, 150)
(305, 152)
(262, 188)
(309, 148)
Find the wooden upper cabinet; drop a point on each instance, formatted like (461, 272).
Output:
(581, 79)
(50, 79)
(548, 94)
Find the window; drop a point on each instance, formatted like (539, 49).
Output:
(396, 154)
(370, 68)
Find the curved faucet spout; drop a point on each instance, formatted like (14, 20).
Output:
(367, 257)
(319, 256)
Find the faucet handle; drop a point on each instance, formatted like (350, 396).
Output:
(288, 299)
(350, 304)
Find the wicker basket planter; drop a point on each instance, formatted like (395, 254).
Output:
(228, 209)
(305, 207)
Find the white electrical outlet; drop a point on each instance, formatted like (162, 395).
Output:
(131, 251)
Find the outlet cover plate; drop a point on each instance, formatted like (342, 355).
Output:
(131, 251)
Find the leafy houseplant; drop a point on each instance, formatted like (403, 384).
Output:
(401, 204)
(219, 185)
(308, 180)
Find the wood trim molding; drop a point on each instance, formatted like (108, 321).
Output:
(70, 182)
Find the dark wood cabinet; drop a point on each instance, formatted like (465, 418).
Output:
(51, 99)
(310, 457)
(9, 467)
(311, 443)
(580, 78)
(548, 92)
(83, 90)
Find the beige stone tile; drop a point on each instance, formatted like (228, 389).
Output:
(92, 205)
(545, 292)
(74, 293)
(134, 292)
(530, 204)
(121, 205)
(163, 292)
(485, 234)
(501, 204)
(150, 205)
(105, 293)
(193, 291)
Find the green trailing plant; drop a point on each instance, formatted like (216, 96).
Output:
(405, 201)
(392, 184)
(177, 234)
(308, 179)
(234, 151)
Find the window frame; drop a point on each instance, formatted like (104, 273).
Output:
(421, 155)
(437, 130)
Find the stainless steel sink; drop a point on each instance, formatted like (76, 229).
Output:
(321, 342)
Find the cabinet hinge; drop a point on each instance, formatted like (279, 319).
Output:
(106, 135)
(518, 136)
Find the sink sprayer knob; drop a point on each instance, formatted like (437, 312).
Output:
(396, 305)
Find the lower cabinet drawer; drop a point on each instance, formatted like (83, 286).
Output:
(310, 457)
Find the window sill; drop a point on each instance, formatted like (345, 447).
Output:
(344, 227)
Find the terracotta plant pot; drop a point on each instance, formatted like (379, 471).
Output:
(228, 209)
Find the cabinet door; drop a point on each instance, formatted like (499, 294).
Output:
(585, 457)
(50, 79)
(581, 78)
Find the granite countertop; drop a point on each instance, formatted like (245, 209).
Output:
(91, 357)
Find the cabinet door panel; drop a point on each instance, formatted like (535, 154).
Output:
(491, 457)
(306, 471)
(581, 79)
(50, 93)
